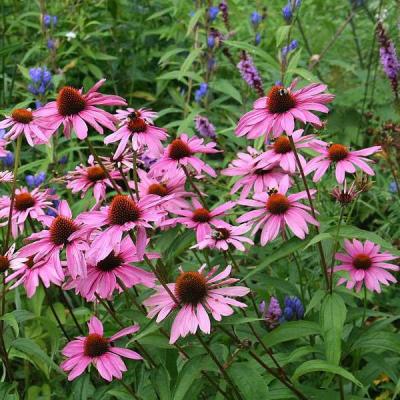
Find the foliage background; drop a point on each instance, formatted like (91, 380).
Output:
(154, 54)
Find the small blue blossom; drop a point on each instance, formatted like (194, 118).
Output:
(51, 44)
(293, 309)
(41, 80)
(49, 20)
(8, 160)
(201, 92)
(211, 41)
(213, 12)
(392, 187)
(255, 18)
(287, 11)
(257, 39)
(35, 180)
(63, 160)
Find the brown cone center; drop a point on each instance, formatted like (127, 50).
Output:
(191, 288)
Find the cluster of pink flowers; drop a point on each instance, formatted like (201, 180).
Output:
(102, 251)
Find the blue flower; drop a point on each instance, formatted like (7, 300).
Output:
(287, 13)
(51, 44)
(213, 12)
(293, 45)
(293, 309)
(49, 20)
(201, 92)
(35, 180)
(63, 160)
(255, 18)
(211, 41)
(41, 80)
(8, 160)
(392, 187)
(257, 39)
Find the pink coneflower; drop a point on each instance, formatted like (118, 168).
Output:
(10, 260)
(276, 112)
(3, 144)
(344, 160)
(27, 122)
(201, 219)
(91, 176)
(280, 151)
(181, 151)
(171, 183)
(221, 238)
(196, 293)
(75, 110)
(136, 125)
(122, 215)
(6, 176)
(124, 161)
(274, 210)
(365, 264)
(30, 273)
(104, 276)
(26, 204)
(98, 350)
(63, 232)
(252, 176)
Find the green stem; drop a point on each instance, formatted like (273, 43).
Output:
(319, 246)
(50, 303)
(135, 175)
(195, 188)
(98, 160)
(220, 366)
(335, 247)
(14, 187)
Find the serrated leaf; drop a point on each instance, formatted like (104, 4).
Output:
(323, 366)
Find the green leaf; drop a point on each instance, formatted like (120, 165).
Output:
(315, 301)
(281, 35)
(332, 318)
(161, 381)
(372, 341)
(195, 53)
(290, 331)
(168, 54)
(10, 319)
(226, 87)
(194, 20)
(304, 73)
(188, 374)
(254, 50)
(323, 366)
(82, 388)
(287, 248)
(34, 352)
(251, 384)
